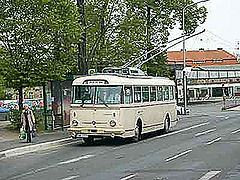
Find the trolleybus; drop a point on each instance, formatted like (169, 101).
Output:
(116, 105)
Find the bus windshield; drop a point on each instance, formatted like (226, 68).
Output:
(97, 94)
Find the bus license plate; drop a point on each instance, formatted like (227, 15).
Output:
(83, 135)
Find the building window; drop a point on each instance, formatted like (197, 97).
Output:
(217, 92)
(223, 74)
(213, 74)
(202, 74)
(231, 74)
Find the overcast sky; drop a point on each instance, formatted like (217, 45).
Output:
(222, 27)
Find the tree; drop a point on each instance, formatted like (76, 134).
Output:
(38, 41)
(118, 31)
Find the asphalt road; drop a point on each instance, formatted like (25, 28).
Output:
(204, 145)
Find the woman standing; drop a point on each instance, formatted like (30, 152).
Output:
(28, 121)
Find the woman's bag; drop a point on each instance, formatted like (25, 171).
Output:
(22, 134)
(34, 132)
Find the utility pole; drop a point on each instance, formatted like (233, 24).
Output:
(82, 46)
(184, 55)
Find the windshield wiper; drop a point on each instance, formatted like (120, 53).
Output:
(82, 103)
(103, 102)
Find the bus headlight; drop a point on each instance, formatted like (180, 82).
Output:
(74, 122)
(112, 123)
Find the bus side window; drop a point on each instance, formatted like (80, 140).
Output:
(160, 93)
(128, 95)
(171, 95)
(145, 94)
(137, 94)
(166, 92)
(153, 93)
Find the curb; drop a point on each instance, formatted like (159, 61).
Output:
(32, 148)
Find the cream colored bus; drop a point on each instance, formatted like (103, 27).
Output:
(121, 106)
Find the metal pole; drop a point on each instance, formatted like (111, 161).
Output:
(184, 65)
(45, 106)
(184, 56)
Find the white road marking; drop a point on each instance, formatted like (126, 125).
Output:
(220, 116)
(75, 159)
(71, 177)
(236, 131)
(51, 166)
(210, 175)
(128, 177)
(213, 141)
(182, 130)
(178, 155)
(205, 132)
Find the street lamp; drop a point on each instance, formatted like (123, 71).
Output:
(184, 57)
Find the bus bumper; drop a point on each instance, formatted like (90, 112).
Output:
(96, 132)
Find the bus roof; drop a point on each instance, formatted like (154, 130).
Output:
(111, 79)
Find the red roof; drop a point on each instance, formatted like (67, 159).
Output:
(200, 55)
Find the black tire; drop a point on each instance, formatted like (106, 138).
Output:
(167, 124)
(88, 140)
(138, 132)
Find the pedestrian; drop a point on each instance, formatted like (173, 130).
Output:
(28, 122)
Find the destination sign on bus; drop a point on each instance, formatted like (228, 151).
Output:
(95, 82)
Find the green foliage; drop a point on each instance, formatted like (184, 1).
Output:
(38, 40)
(2, 88)
(39, 118)
(15, 119)
(16, 124)
(118, 31)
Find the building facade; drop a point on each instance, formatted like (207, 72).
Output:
(213, 74)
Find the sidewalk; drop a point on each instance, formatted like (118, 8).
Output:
(9, 139)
